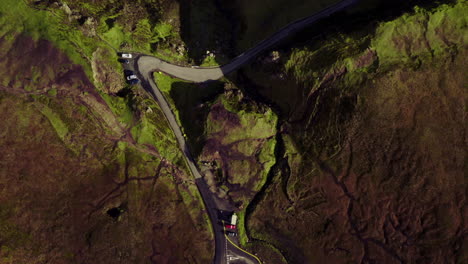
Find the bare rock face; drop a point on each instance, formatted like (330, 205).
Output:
(106, 76)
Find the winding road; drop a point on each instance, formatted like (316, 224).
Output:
(226, 251)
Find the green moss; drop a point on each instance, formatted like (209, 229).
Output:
(52, 92)
(162, 31)
(210, 61)
(390, 44)
(165, 84)
(213, 126)
(243, 239)
(309, 64)
(193, 202)
(411, 39)
(247, 147)
(20, 18)
(54, 119)
(431, 33)
(139, 164)
(145, 132)
(267, 155)
(116, 36)
(243, 171)
(142, 34)
(120, 107)
(189, 102)
(253, 126)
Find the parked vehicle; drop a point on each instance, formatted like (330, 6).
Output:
(124, 61)
(230, 226)
(133, 81)
(224, 216)
(234, 219)
(126, 55)
(131, 77)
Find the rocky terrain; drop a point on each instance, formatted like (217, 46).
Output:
(346, 145)
(375, 143)
(87, 177)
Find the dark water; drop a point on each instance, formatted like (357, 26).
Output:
(114, 212)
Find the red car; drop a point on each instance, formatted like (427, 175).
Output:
(230, 226)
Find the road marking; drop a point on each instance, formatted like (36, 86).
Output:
(256, 258)
(216, 73)
(227, 239)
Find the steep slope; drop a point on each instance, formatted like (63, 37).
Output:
(86, 177)
(375, 141)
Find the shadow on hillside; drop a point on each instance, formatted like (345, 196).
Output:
(192, 102)
(209, 25)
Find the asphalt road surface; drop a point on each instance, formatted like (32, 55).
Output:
(199, 74)
(144, 66)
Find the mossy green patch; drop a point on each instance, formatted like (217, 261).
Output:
(52, 92)
(189, 102)
(116, 36)
(246, 130)
(267, 154)
(54, 119)
(120, 107)
(146, 132)
(210, 61)
(253, 126)
(162, 31)
(243, 171)
(165, 84)
(243, 239)
(423, 33)
(247, 147)
(18, 17)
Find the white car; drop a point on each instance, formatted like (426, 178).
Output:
(126, 55)
(131, 77)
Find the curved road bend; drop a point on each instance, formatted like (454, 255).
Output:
(222, 247)
(199, 74)
(146, 65)
(149, 85)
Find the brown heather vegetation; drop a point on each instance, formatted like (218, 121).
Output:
(375, 147)
(67, 159)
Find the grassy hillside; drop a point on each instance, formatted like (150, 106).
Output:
(239, 146)
(90, 173)
(375, 145)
